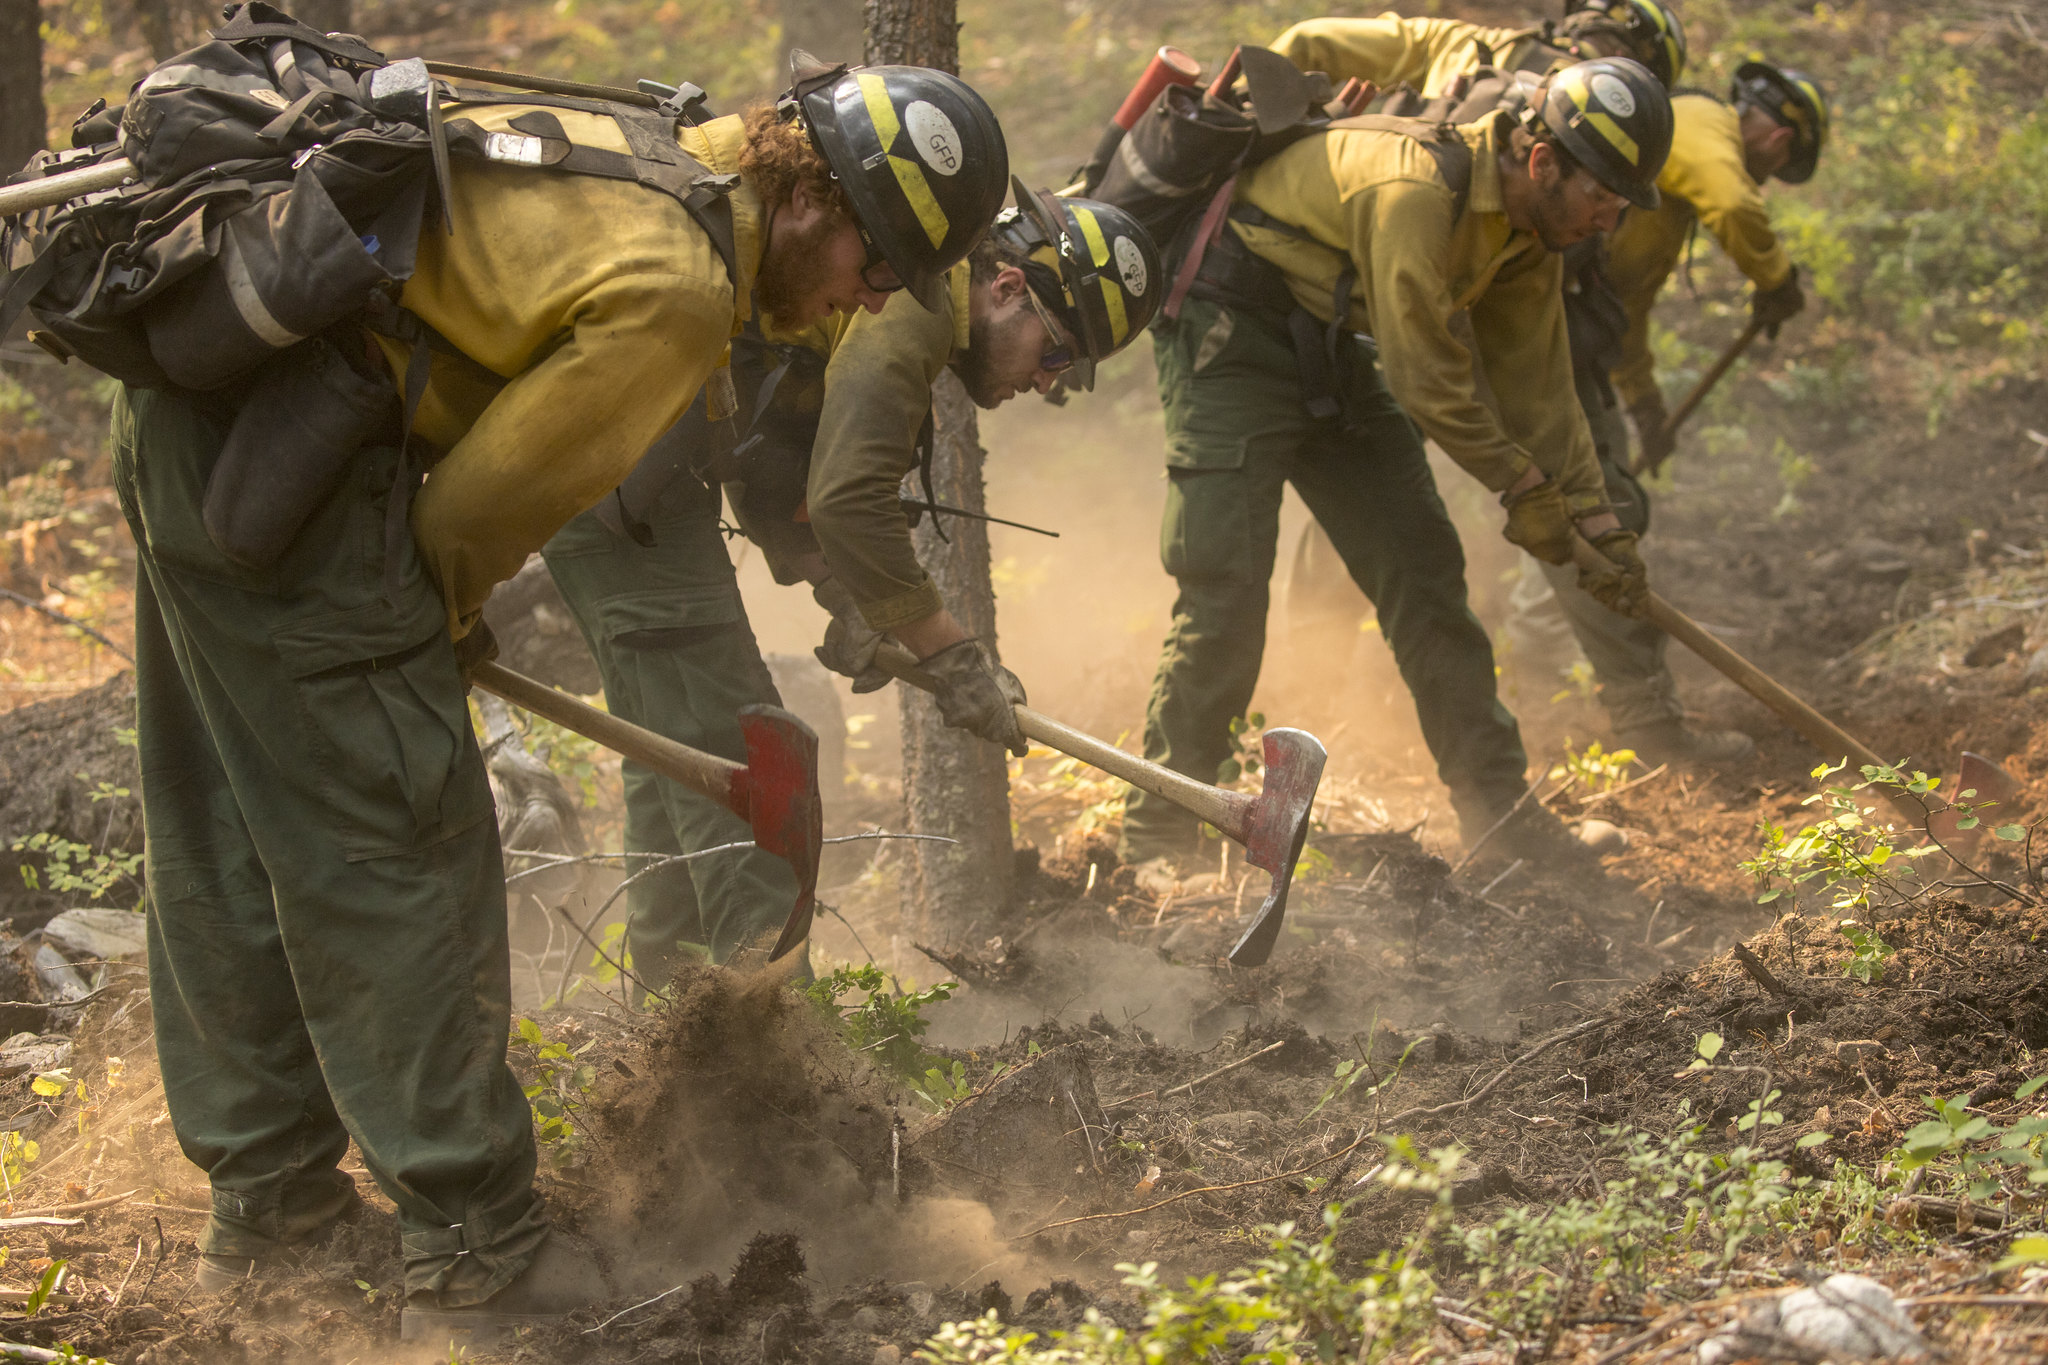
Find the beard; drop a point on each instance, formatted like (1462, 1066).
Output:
(794, 269)
(975, 368)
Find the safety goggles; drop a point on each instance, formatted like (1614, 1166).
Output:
(1059, 355)
(876, 273)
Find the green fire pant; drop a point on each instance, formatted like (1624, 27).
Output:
(1547, 607)
(677, 656)
(327, 953)
(1237, 432)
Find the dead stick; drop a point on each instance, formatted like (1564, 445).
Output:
(1761, 974)
(1562, 1036)
(1179, 1089)
(1656, 1331)
(66, 1210)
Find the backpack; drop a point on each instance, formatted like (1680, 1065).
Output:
(280, 180)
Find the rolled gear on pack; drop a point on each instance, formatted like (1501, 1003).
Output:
(1092, 264)
(919, 156)
(1794, 99)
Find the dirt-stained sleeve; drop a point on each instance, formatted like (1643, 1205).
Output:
(562, 434)
(1400, 233)
(878, 389)
(1519, 326)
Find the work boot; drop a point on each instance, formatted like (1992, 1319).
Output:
(1532, 834)
(562, 1277)
(1670, 741)
(216, 1274)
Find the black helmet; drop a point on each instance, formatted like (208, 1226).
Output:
(1092, 264)
(1651, 27)
(1614, 118)
(919, 156)
(1794, 99)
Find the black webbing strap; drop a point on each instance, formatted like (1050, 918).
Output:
(927, 441)
(244, 26)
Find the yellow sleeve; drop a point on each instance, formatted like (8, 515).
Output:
(1519, 325)
(1400, 233)
(1386, 51)
(878, 390)
(562, 433)
(1706, 170)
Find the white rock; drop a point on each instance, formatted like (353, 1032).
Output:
(1602, 837)
(98, 934)
(1851, 1316)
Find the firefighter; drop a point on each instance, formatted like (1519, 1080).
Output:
(1060, 285)
(1369, 231)
(647, 577)
(1775, 123)
(328, 950)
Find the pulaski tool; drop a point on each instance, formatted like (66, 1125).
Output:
(776, 791)
(1272, 825)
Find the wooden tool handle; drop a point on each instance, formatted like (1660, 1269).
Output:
(65, 185)
(707, 774)
(1831, 739)
(1223, 809)
(1712, 377)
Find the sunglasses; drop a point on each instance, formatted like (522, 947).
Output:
(876, 273)
(1059, 355)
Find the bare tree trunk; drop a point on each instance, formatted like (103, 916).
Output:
(24, 123)
(953, 783)
(329, 16)
(159, 27)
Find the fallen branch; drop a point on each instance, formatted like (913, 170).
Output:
(61, 619)
(1544, 1045)
(1979, 1300)
(14, 1350)
(66, 1210)
(1588, 802)
(1761, 974)
(1182, 1089)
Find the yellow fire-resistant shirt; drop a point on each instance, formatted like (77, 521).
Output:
(1704, 180)
(878, 388)
(1377, 200)
(1428, 54)
(602, 305)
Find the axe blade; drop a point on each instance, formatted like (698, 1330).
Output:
(1275, 827)
(783, 806)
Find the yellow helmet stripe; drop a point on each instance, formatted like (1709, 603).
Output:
(1573, 84)
(1819, 104)
(909, 175)
(1098, 251)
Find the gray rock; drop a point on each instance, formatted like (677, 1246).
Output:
(97, 934)
(61, 981)
(46, 1053)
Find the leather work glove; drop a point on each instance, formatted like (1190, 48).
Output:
(1654, 445)
(1776, 307)
(477, 648)
(976, 693)
(850, 643)
(1539, 522)
(1625, 587)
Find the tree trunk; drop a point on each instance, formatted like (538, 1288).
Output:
(953, 783)
(329, 16)
(23, 121)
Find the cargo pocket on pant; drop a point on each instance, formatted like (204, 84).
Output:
(399, 767)
(1205, 534)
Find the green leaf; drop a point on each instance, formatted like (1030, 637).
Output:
(2024, 1251)
(2011, 833)
(1814, 1140)
(47, 1086)
(1228, 771)
(40, 1295)
(2030, 1087)
(1710, 1045)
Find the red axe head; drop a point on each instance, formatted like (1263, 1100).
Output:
(1275, 826)
(781, 786)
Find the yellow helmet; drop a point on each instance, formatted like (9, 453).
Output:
(1092, 263)
(1652, 29)
(1794, 99)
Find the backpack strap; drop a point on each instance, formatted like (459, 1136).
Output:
(262, 21)
(1452, 155)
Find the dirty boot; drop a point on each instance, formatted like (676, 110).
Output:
(1531, 833)
(216, 1274)
(1672, 741)
(562, 1278)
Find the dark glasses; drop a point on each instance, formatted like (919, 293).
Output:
(1059, 355)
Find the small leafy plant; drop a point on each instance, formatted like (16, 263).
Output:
(1247, 738)
(71, 868)
(1866, 961)
(886, 1025)
(1596, 769)
(561, 1086)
